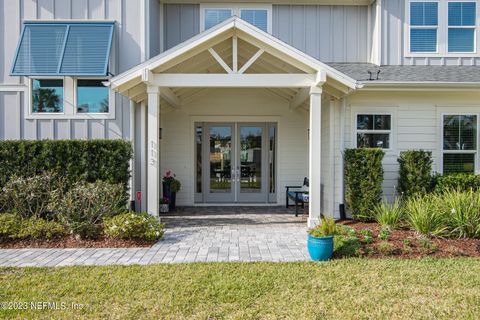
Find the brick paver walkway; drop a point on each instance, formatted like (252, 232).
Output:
(193, 235)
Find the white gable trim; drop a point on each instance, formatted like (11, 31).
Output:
(223, 31)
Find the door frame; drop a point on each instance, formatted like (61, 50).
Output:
(267, 197)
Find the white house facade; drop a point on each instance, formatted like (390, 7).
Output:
(243, 99)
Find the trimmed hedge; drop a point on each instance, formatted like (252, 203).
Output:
(415, 174)
(363, 181)
(458, 181)
(77, 160)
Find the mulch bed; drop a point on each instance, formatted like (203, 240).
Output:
(71, 242)
(407, 244)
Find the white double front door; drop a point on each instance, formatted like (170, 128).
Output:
(239, 162)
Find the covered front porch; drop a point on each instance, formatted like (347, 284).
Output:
(237, 115)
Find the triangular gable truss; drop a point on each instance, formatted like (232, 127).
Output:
(232, 54)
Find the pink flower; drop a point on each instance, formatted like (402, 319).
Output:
(169, 174)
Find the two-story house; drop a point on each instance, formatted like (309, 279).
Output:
(241, 99)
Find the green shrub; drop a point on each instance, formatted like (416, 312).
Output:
(426, 245)
(77, 160)
(346, 246)
(134, 226)
(9, 226)
(389, 215)
(30, 196)
(462, 210)
(415, 172)
(424, 217)
(325, 228)
(85, 205)
(384, 234)
(40, 229)
(386, 248)
(363, 181)
(458, 181)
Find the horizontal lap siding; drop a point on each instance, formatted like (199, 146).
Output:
(416, 123)
(126, 52)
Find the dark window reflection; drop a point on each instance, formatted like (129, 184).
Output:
(92, 96)
(47, 95)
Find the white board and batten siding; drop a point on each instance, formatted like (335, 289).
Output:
(126, 52)
(328, 33)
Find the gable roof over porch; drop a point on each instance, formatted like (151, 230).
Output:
(232, 54)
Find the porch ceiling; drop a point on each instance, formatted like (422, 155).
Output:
(232, 54)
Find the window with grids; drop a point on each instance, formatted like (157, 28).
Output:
(374, 131)
(259, 17)
(459, 143)
(423, 26)
(461, 26)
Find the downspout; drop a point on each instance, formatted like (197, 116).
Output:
(132, 161)
(343, 112)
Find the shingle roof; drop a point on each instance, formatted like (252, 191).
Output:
(359, 72)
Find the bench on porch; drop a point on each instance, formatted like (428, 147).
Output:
(300, 197)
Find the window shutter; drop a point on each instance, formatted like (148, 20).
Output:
(40, 50)
(63, 49)
(86, 50)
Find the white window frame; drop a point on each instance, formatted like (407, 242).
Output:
(236, 11)
(475, 151)
(442, 32)
(409, 27)
(356, 131)
(474, 27)
(69, 101)
(41, 115)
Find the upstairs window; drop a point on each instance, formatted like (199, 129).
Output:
(443, 28)
(257, 15)
(461, 26)
(423, 26)
(216, 16)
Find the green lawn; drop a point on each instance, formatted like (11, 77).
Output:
(342, 289)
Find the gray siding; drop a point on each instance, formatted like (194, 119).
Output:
(126, 52)
(181, 22)
(328, 33)
(393, 48)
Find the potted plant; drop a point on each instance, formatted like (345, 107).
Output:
(320, 240)
(164, 205)
(170, 188)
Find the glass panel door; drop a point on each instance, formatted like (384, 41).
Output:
(220, 184)
(251, 164)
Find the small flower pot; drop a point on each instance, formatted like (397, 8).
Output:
(164, 208)
(320, 249)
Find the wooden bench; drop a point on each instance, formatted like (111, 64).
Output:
(300, 197)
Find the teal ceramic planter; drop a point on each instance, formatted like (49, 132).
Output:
(320, 249)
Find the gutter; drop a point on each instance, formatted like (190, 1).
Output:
(416, 85)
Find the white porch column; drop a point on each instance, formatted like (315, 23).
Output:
(315, 147)
(153, 150)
